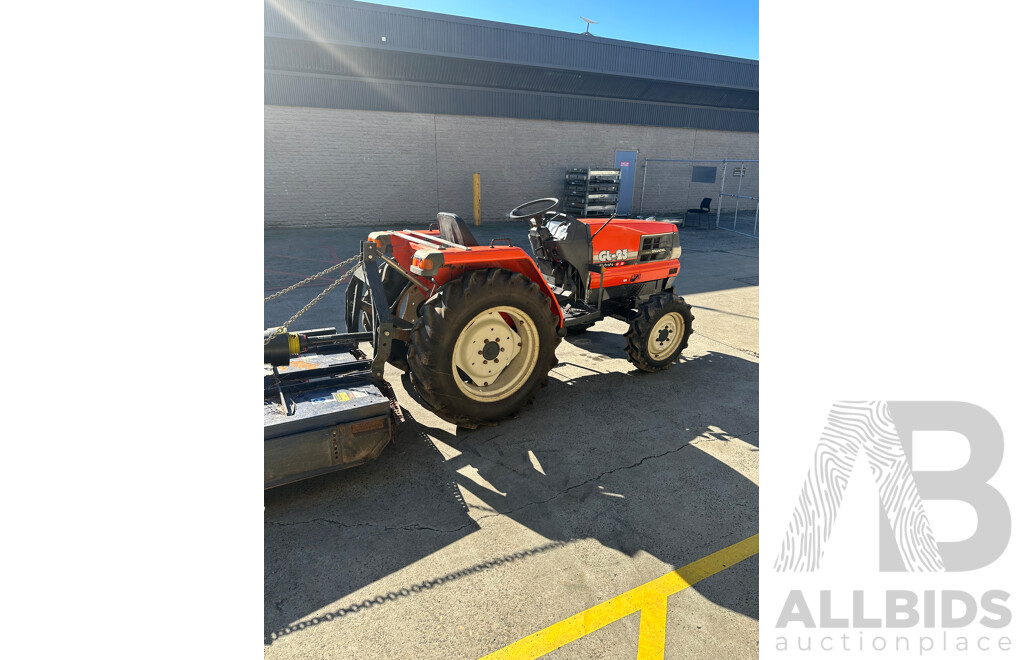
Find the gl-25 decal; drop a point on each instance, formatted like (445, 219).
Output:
(608, 255)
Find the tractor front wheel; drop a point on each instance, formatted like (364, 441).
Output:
(482, 346)
(658, 332)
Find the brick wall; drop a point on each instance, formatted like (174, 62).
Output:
(327, 167)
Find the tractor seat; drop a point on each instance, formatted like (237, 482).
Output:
(454, 230)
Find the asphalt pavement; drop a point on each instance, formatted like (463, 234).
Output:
(459, 544)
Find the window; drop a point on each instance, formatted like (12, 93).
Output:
(704, 174)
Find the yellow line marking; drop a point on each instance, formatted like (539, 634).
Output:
(653, 617)
(651, 599)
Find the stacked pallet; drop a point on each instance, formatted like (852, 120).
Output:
(591, 192)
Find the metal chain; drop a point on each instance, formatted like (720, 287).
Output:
(284, 327)
(310, 278)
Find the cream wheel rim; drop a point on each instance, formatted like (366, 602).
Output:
(666, 336)
(492, 360)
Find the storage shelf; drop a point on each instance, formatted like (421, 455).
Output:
(591, 191)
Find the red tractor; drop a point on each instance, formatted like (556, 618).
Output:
(476, 326)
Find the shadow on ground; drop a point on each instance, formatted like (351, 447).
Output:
(615, 457)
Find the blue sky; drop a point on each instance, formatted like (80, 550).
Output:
(723, 27)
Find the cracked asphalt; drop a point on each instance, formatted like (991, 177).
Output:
(456, 543)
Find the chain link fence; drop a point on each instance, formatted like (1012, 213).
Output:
(720, 194)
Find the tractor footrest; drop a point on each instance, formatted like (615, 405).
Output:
(559, 292)
(577, 313)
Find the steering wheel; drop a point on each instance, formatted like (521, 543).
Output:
(516, 213)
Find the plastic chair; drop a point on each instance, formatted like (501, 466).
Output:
(703, 213)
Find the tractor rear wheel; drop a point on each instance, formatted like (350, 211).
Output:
(658, 332)
(481, 347)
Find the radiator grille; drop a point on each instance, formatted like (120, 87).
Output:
(656, 247)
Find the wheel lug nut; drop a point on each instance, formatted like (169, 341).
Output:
(479, 352)
(503, 350)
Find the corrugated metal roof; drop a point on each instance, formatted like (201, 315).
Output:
(310, 57)
(287, 88)
(330, 53)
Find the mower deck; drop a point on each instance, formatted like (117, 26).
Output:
(337, 417)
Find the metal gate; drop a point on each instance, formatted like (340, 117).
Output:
(675, 189)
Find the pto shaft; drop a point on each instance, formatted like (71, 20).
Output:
(282, 348)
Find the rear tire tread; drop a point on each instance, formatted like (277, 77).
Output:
(429, 355)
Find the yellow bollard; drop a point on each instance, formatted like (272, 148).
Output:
(476, 199)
